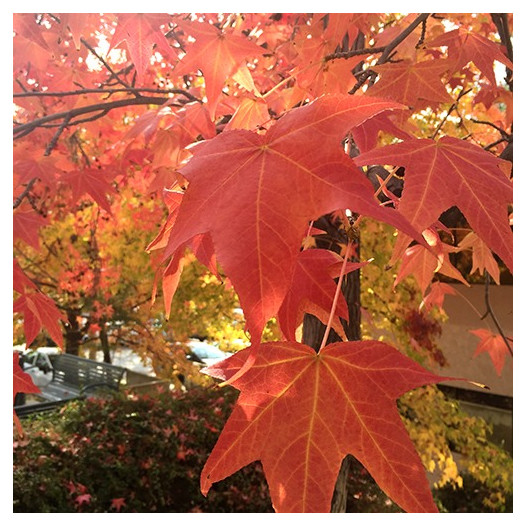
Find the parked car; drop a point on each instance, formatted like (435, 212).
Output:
(205, 353)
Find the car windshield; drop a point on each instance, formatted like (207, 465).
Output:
(203, 350)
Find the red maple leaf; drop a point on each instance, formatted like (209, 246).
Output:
(423, 263)
(118, 503)
(93, 182)
(256, 193)
(20, 281)
(482, 257)
(142, 32)
(452, 172)
(22, 383)
(300, 413)
(39, 311)
(436, 295)
(312, 290)
(413, 84)
(466, 46)
(26, 225)
(30, 163)
(218, 54)
(83, 499)
(494, 345)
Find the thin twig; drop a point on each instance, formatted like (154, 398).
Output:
(336, 295)
(106, 65)
(489, 311)
(490, 146)
(354, 53)
(449, 111)
(504, 133)
(386, 55)
(18, 201)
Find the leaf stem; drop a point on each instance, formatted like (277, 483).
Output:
(336, 295)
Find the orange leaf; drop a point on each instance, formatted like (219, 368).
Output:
(482, 257)
(218, 54)
(436, 295)
(494, 345)
(300, 413)
(93, 182)
(423, 263)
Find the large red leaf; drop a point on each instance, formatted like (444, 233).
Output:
(255, 194)
(312, 290)
(452, 172)
(300, 413)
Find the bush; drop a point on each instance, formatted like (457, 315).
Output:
(145, 454)
(136, 455)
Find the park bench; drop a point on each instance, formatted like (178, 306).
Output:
(75, 377)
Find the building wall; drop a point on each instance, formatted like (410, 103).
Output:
(459, 345)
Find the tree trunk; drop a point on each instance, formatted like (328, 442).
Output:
(104, 343)
(313, 331)
(73, 334)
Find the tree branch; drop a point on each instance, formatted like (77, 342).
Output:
(501, 22)
(107, 91)
(354, 53)
(389, 49)
(450, 110)
(18, 201)
(24, 129)
(108, 67)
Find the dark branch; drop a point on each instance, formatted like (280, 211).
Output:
(107, 66)
(103, 107)
(18, 201)
(55, 138)
(107, 91)
(354, 53)
(388, 50)
(504, 133)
